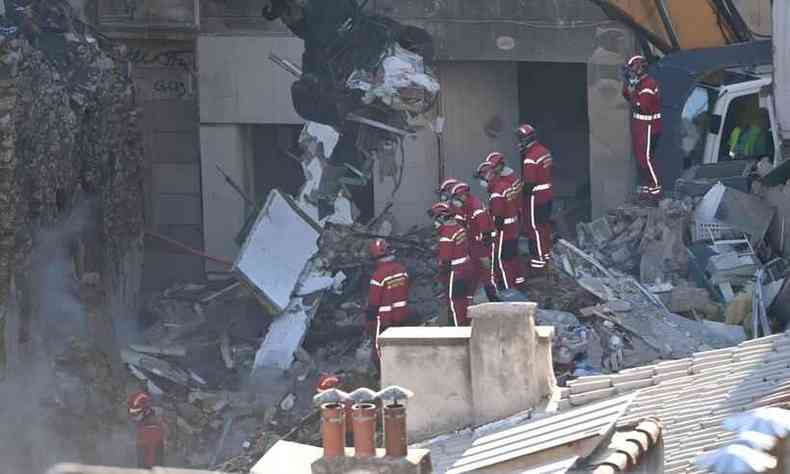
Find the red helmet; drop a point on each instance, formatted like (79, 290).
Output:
(637, 65)
(483, 170)
(139, 405)
(445, 189)
(327, 382)
(441, 210)
(496, 159)
(379, 248)
(460, 189)
(526, 135)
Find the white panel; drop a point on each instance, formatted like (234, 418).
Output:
(239, 84)
(781, 31)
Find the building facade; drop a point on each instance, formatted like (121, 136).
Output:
(211, 98)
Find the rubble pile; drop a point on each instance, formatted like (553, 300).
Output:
(640, 240)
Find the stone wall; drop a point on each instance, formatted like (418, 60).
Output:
(465, 377)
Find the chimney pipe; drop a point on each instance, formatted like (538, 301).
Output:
(395, 430)
(333, 429)
(363, 421)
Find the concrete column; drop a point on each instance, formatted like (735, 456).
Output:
(433, 362)
(612, 166)
(502, 353)
(223, 208)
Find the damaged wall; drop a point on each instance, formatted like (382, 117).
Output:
(72, 168)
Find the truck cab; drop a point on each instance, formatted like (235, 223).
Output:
(729, 115)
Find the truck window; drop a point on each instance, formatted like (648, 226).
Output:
(746, 131)
(695, 122)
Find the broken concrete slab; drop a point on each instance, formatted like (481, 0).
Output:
(156, 366)
(285, 336)
(274, 255)
(746, 212)
(172, 351)
(687, 299)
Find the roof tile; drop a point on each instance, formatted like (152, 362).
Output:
(625, 387)
(585, 386)
(591, 396)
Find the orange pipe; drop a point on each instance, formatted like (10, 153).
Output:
(395, 430)
(333, 430)
(363, 420)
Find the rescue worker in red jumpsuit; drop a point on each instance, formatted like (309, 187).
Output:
(388, 295)
(505, 202)
(475, 218)
(150, 431)
(536, 164)
(455, 265)
(643, 93)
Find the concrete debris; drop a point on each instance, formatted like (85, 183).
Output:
(288, 402)
(156, 366)
(639, 240)
(725, 208)
(173, 351)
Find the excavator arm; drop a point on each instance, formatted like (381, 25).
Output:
(674, 25)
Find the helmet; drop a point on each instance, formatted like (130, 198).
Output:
(460, 189)
(139, 405)
(483, 170)
(526, 135)
(496, 159)
(441, 210)
(445, 189)
(327, 382)
(637, 65)
(379, 248)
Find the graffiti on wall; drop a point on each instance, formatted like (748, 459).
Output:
(171, 88)
(184, 59)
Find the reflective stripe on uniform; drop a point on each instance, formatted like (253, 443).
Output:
(648, 91)
(647, 117)
(452, 304)
(393, 277)
(534, 223)
(376, 283)
(648, 158)
(499, 258)
(542, 187)
(547, 155)
(477, 213)
(511, 220)
(458, 261)
(388, 308)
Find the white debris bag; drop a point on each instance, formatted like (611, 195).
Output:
(402, 82)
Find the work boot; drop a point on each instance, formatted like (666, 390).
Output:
(492, 295)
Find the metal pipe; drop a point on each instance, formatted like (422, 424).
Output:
(667, 20)
(395, 430)
(363, 421)
(333, 430)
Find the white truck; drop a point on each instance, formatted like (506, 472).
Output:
(716, 76)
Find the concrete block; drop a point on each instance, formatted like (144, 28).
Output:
(503, 360)
(630, 377)
(663, 377)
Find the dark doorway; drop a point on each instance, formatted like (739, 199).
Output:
(274, 167)
(553, 98)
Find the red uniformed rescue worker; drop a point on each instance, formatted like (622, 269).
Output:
(536, 164)
(475, 218)
(455, 266)
(504, 191)
(150, 431)
(388, 295)
(643, 93)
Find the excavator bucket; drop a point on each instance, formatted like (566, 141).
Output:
(672, 25)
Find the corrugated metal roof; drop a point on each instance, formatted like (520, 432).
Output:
(505, 441)
(691, 397)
